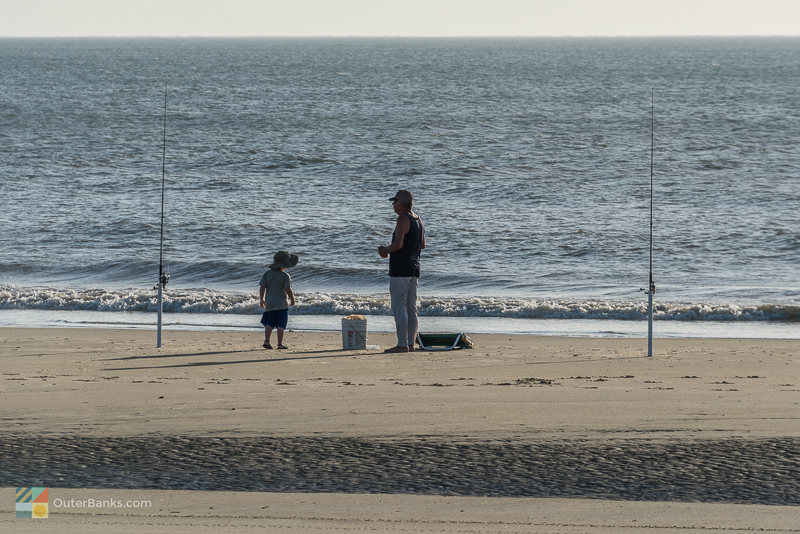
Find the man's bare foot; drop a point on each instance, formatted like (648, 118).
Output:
(411, 348)
(397, 349)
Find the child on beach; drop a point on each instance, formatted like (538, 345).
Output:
(276, 296)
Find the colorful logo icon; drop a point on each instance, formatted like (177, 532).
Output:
(32, 503)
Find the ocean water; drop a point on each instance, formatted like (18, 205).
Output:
(529, 160)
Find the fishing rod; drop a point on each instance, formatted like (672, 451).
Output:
(652, 287)
(163, 277)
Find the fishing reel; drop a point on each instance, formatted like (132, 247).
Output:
(652, 289)
(162, 281)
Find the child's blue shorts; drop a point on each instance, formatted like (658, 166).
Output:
(275, 318)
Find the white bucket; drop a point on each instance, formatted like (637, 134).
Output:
(354, 332)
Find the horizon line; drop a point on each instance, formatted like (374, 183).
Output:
(625, 36)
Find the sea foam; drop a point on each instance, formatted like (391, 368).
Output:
(198, 301)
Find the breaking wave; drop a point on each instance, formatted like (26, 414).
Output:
(210, 301)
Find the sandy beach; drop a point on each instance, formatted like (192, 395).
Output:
(519, 434)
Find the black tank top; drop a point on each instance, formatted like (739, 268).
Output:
(405, 262)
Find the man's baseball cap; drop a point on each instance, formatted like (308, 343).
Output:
(404, 195)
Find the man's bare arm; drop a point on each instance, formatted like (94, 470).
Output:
(400, 231)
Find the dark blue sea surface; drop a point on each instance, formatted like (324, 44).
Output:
(529, 160)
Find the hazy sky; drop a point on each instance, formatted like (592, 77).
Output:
(30, 18)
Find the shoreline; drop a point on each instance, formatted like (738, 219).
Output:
(331, 323)
(560, 315)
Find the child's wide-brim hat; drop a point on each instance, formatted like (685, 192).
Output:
(283, 260)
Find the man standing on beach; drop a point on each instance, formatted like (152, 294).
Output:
(408, 240)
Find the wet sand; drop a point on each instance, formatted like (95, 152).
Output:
(515, 429)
